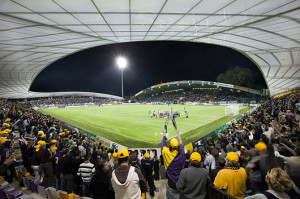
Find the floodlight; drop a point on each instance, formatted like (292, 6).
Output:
(122, 62)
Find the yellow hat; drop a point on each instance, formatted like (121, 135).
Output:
(7, 130)
(43, 136)
(3, 140)
(39, 142)
(288, 111)
(5, 124)
(115, 155)
(283, 115)
(261, 146)
(242, 147)
(174, 143)
(43, 143)
(109, 154)
(40, 133)
(232, 156)
(7, 120)
(196, 157)
(37, 148)
(244, 127)
(54, 141)
(147, 155)
(123, 153)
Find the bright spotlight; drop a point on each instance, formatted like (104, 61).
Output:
(122, 62)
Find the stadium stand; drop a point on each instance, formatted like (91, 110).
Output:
(259, 143)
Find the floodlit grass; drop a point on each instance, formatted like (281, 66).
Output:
(130, 124)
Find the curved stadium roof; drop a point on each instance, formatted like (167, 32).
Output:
(35, 33)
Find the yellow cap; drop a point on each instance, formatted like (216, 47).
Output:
(43, 143)
(123, 153)
(43, 136)
(40, 133)
(3, 140)
(232, 156)
(147, 155)
(283, 115)
(7, 130)
(115, 155)
(7, 120)
(37, 148)
(195, 157)
(261, 146)
(54, 141)
(174, 143)
(244, 127)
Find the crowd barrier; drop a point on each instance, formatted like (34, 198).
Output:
(216, 193)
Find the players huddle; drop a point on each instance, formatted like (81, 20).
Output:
(163, 114)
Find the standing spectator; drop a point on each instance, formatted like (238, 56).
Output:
(86, 171)
(56, 157)
(162, 168)
(100, 185)
(135, 163)
(193, 181)
(46, 164)
(156, 168)
(214, 172)
(35, 165)
(267, 162)
(127, 181)
(278, 182)
(66, 176)
(77, 181)
(148, 164)
(174, 159)
(233, 178)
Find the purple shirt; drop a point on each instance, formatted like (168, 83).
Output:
(177, 164)
(56, 158)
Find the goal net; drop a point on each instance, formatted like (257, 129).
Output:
(232, 110)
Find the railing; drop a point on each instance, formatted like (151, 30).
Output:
(215, 193)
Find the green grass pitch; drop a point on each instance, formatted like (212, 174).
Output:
(130, 124)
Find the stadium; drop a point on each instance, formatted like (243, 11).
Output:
(173, 136)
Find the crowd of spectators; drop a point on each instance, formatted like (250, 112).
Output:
(67, 101)
(256, 157)
(201, 96)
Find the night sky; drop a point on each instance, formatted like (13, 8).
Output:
(149, 63)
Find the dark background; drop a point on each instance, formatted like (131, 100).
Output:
(149, 63)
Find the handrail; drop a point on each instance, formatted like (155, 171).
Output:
(216, 193)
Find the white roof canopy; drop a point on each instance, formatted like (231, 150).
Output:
(36, 33)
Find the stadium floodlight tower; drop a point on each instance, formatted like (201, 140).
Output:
(122, 63)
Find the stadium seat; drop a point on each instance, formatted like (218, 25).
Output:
(28, 180)
(3, 195)
(25, 197)
(1, 179)
(34, 187)
(72, 196)
(63, 195)
(52, 193)
(14, 194)
(3, 182)
(42, 190)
